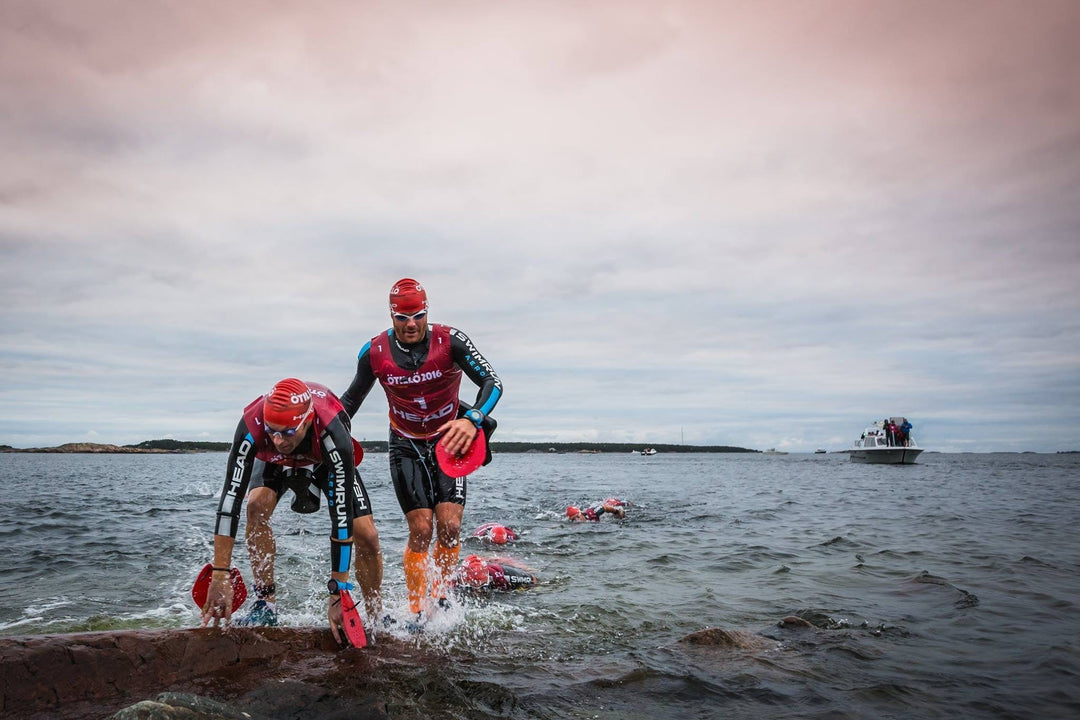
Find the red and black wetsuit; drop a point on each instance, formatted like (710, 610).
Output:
(328, 446)
(504, 575)
(478, 575)
(421, 382)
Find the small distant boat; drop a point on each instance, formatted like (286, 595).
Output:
(819, 451)
(877, 445)
(649, 451)
(774, 451)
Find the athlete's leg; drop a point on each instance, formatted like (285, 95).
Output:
(368, 564)
(414, 486)
(416, 556)
(448, 521)
(261, 502)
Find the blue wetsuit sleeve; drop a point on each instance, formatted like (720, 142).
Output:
(237, 477)
(362, 382)
(478, 369)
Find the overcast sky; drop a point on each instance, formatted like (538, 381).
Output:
(761, 223)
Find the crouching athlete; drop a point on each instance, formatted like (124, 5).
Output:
(294, 437)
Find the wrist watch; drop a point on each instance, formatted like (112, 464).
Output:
(336, 586)
(475, 417)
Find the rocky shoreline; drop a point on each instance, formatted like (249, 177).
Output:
(98, 448)
(265, 674)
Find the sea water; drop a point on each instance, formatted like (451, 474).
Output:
(943, 589)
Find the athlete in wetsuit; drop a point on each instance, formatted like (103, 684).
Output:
(499, 573)
(613, 506)
(295, 437)
(495, 533)
(419, 367)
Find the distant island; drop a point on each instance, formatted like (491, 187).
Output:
(147, 446)
(375, 446)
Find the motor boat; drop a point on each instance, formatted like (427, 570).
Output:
(877, 445)
(648, 451)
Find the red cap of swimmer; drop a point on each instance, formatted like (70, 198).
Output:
(474, 571)
(407, 296)
(287, 404)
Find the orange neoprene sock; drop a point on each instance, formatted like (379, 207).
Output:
(445, 562)
(416, 580)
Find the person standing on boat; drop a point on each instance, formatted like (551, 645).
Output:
(894, 434)
(296, 426)
(420, 368)
(905, 432)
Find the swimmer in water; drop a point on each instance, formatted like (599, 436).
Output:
(613, 506)
(495, 533)
(478, 574)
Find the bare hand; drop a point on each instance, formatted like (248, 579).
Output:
(219, 598)
(616, 511)
(458, 436)
(334, 615)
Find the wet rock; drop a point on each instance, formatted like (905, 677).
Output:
(289, 700)
(180, 706)
(95, 674)
(742, 640)
(734, 639)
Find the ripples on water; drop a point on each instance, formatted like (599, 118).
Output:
(944, 589)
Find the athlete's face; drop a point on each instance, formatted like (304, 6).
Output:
(285, 444)
(410, 328)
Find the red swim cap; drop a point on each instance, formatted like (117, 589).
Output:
(499, 535)
(408, 297)
(572, 511)
(287, 404)
(474, 571)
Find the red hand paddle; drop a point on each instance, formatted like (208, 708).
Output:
(350, 620)
(202, 586)
(473, 458)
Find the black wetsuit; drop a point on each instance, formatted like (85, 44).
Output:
(418, 480)
(300, 473)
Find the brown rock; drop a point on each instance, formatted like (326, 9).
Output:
(94, 674)
(718, 637)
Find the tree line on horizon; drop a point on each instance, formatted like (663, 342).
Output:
(380, 446)
(508, 447)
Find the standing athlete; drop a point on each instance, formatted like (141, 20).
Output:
(419, 367)
(296, 437)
